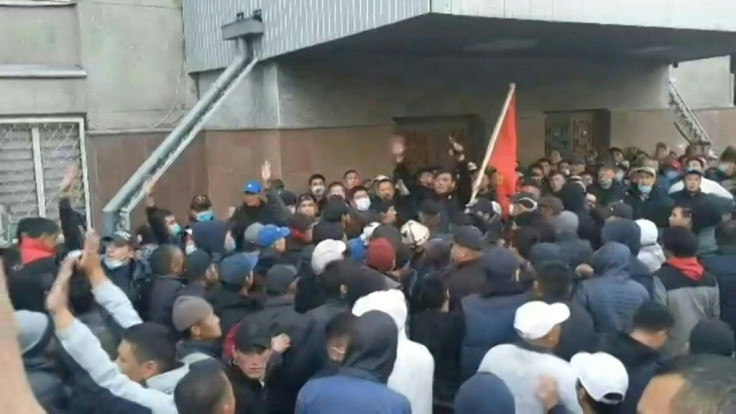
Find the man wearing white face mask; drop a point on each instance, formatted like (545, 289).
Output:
(120, 264)
(318, 188)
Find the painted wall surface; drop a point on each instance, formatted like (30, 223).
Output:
(706, 83)
(132, 51)
(703, 15)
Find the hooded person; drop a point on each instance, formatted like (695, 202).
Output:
(650, 253)
(413, 371)
(573, 199)
(692, 292)
(329, 248)
(489, 315)
(467, 275)
(575, 251)
(232, 300)
(213, 238)
(360, 382)
(610, 295)
(628, 233)
(484, 393)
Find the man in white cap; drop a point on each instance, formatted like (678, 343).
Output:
(602, 381)
(522, 366)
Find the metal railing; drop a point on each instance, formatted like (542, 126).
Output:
(117, 211)
(684, 118)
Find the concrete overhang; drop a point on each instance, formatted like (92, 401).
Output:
(449, 35)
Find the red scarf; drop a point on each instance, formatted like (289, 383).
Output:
(298, 235)
(689, 266)
(34, 249)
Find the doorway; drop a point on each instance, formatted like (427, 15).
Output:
(574, 134)
(427, 139)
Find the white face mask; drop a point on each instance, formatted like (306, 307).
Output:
(190, 248)
(114, 264)
(318, 190)
(363, 204)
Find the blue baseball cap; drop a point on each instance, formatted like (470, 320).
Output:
(252, 187)
(270, 234)
(235, 269)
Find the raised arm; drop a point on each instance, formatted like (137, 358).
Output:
(71, 225)
(274, 202)
(153, 214)
(106, 293)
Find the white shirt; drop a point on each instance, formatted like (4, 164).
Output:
(707, 186)
(521, 370)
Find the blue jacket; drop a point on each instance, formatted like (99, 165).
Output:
(360, 385)
(610, 295)
(488, 322)
(724, 269)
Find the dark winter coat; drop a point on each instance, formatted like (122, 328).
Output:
(231, 307)
(656, 207)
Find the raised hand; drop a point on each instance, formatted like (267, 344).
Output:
(69, 177)
(91, 254)
(266, 171)
(280, 343)
(398, 147)
(149, 187)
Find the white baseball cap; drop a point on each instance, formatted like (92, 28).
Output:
(536, 319)
(602, 375)
(368, 232)
(326, 252)
(414, 233)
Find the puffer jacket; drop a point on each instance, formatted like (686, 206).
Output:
(610, 295)
(650, 253)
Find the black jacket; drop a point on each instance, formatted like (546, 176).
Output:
(575, 250)
(724, 269)
(641, 363)
(465, 279)
(655, 208)
(297, 364)
(577, 334)
(706, 208)
(48, 387)
(163, 293)
(271, 211)
(605, 197)
(231, 307)
(250, 395)
(125, 277)
(442, 334)
(28, 284)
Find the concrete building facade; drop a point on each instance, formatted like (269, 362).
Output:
(337, 77)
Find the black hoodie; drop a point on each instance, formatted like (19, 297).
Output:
(360, 383)
(641, 363)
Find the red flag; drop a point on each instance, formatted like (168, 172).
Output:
(501, 152)
(503, 155)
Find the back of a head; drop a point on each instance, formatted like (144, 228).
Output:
(433, 293)
(612, 256)
(484, 393)
(566, 222)
(652, 317)
(709, 384)
(364, 281)
(341, 325)
(554, 280)
(152, 342)
(335, 275)
(680, 242)
(712, 337)
(523, 239)
(325, 230)
(373, 345)
(392, 302)
(542, 253)
(649, 232)
(623, 231)
(203, 390)
(162, 259)
(36, 227)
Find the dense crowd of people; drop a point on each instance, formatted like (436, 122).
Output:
(608, 285)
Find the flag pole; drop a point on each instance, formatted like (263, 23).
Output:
(492, 142)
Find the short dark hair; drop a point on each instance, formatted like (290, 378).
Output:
(535, 167)
(316, 176)
(726, 233)
(152, 342)
(335, 184)
(710, 383)
(543, 159)
(524, 238)
(652, 317)
(341, 325)
(162, 258)
(680, 241)
(381, 206)
(36, 227)
(694, 158)
(384, 181)
(555, 280)
(712, 336)
(355, 190)
(445, 171)
(201, 390)
(433, 293)
(430, 207)
(348, 172)
(336, 274)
